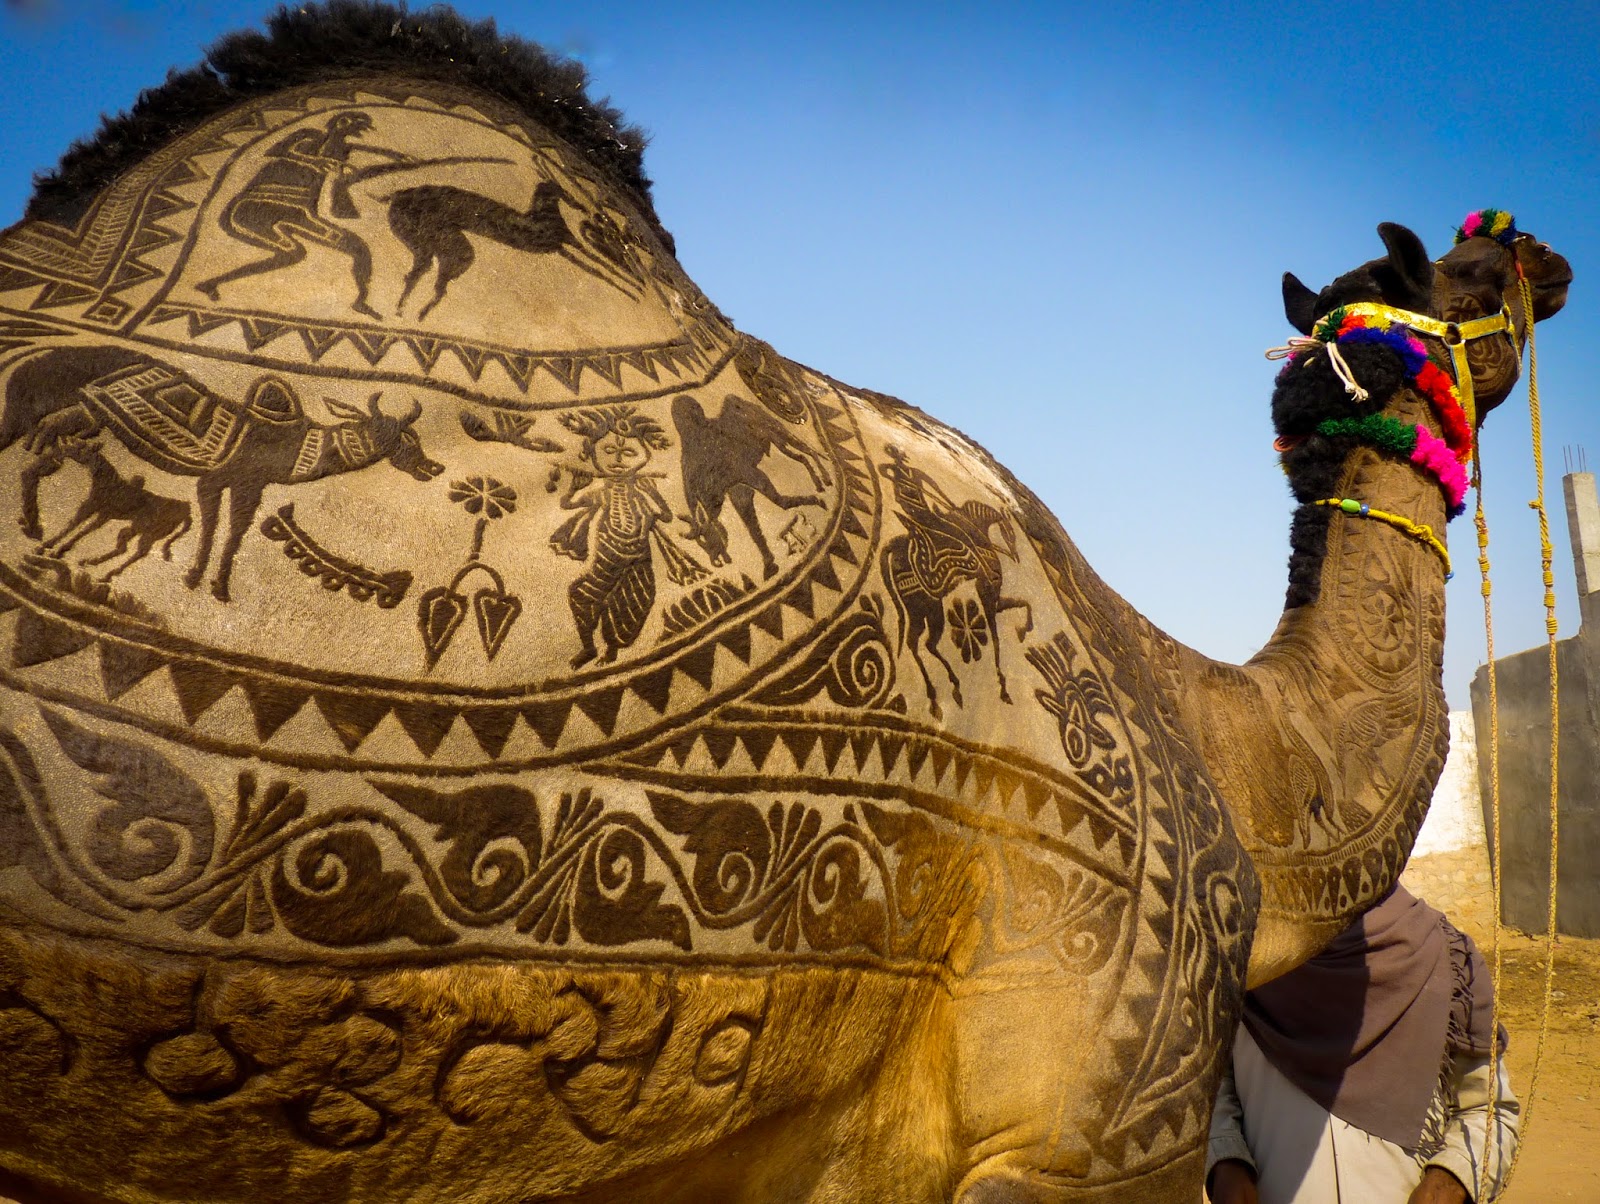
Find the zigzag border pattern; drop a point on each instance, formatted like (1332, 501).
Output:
(686, 357)
(882, 755)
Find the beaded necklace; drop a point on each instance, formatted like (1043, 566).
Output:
(1420, 532)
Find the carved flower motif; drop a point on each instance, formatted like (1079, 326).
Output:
(967, 629)
(1386, 619)
(484, 495)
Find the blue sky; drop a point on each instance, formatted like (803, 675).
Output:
(1059, 227)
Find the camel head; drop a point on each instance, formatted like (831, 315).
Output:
(1480, 276)
(1309, 391)
(1403, 278)
(390, 438)
(1336, 384)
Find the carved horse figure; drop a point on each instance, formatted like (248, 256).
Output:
(73, 392)
(946, 547)
(302, 899)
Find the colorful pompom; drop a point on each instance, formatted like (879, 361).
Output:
(1490, 223)
(1417, 444)
(1444, 458)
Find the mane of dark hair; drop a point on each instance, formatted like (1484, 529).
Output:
(343, 38)
(1307, 394)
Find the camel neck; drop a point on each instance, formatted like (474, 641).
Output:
(1326, 745)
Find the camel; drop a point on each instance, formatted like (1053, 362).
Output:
(301, 899)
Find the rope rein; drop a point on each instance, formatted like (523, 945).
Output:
(1491, 1132)
(1547, 555)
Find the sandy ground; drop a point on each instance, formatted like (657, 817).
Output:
(1560, 1157)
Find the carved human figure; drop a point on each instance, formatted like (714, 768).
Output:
(281, 210)
(620, 511)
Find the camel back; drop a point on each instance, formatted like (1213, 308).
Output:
(477, 726)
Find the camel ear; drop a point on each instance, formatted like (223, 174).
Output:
(1299, 304)
(1409, 258)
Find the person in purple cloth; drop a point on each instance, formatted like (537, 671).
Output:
(1364, 1076)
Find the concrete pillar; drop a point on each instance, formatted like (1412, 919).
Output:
(1583, 525)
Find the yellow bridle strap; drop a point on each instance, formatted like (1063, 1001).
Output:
(1454, 335)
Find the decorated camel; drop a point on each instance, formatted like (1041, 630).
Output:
(478, 727)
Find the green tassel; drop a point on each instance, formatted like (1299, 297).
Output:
(1379, 430)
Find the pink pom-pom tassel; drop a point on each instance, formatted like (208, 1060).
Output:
(1434, 455)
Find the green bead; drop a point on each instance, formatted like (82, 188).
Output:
(1350, 506)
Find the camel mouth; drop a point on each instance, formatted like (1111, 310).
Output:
(1549, 296)
(1548, 275)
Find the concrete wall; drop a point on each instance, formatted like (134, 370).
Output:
(1523, 687)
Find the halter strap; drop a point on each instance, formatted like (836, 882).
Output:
(1454, 335)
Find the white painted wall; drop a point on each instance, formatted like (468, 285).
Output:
(1455, 818)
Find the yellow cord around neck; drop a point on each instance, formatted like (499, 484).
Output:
(1420, 532)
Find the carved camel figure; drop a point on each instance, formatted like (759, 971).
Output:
(307, 900)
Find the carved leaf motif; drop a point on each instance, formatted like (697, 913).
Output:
(1077, 700)
(508, 428)
(340, 894)
(593, 876)
(730, 843)
(439, 613)
(21, 843)
(496, 612)
(923, 861)
(494, 834)
(779, 872)
(853, 665)
(835, 911)
(239, 899)
(616, 902)
(160, 821)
